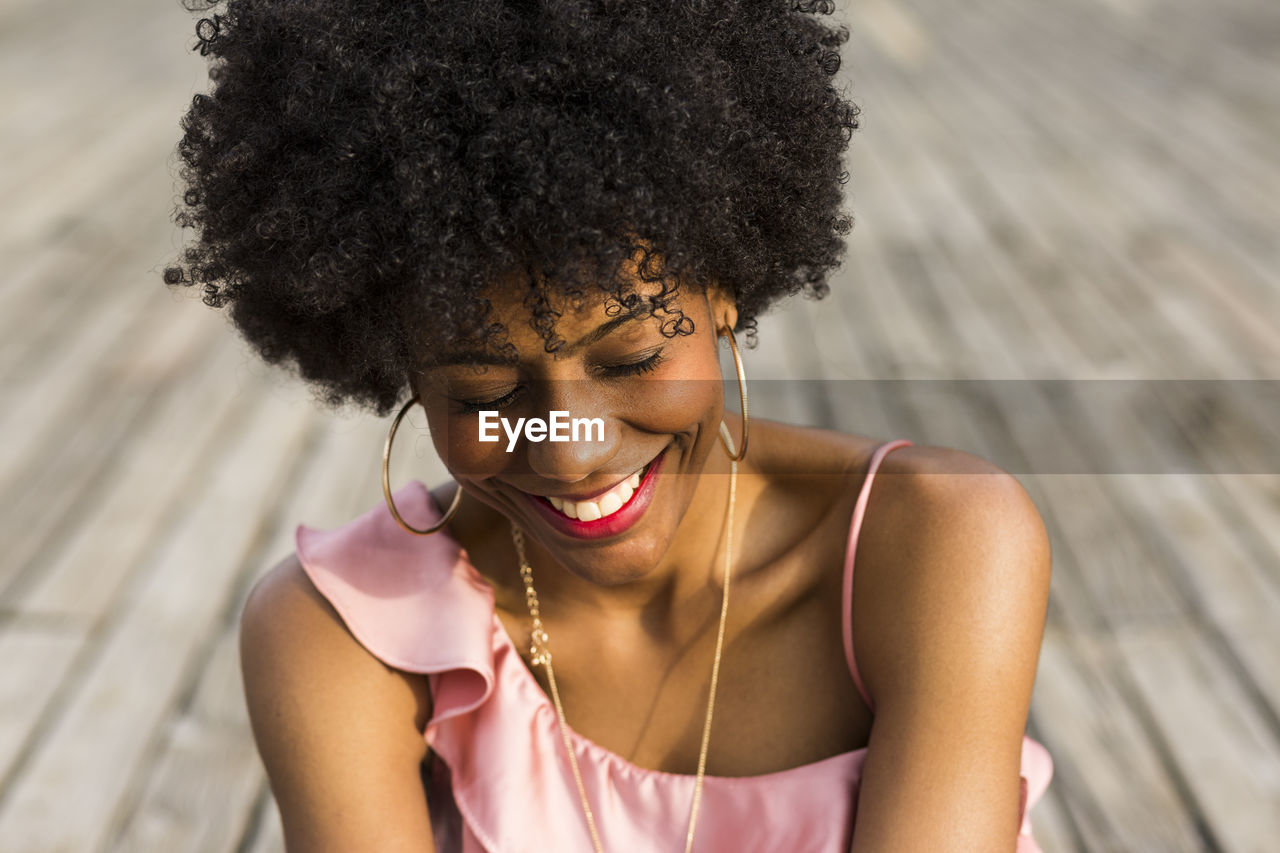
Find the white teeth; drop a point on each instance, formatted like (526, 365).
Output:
(605, 505)
(610, 503)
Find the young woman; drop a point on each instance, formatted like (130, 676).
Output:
(637, 627)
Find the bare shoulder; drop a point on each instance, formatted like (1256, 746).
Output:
(338, 730)
(942, 501)
(287, 616)
(947, 530)
(949, 603)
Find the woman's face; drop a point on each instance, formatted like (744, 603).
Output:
(659, 400)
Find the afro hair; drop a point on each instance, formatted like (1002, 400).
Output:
(360, 172)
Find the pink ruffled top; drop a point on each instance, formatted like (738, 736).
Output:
(504, 784)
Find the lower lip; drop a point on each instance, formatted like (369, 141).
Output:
(610, 525)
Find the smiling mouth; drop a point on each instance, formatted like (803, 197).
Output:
(602, 505)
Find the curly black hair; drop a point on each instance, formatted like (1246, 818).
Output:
(359, 172)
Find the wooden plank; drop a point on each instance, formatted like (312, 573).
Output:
(193, 791)
(12, 12)
(58, 474)
(37, 402)
(1109, 771)
(840, 363)
(945, 208)
(1178, 258)
(142, 653)
(268, 835)
(68, 78)
(164, 460)
(35, 657)
(778, 389)
(201, 789)
(1052, 826)
(1229, 757)
(1123, 179)
(1136, 101)
(1123, 587)
(77, 178)
(182, 805)
(1237, 598)
(56, 289)
(897, 30)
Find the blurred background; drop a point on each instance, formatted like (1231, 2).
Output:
(1055, 195)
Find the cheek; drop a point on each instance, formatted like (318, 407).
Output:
(456, 440)
(677, 405)
(691, 397)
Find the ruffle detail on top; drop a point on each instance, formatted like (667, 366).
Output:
(408, 599)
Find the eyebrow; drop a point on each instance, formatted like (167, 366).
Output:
(482, 357)
(603, 330)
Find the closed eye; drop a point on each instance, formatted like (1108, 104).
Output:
(471, 407)
(634, 368)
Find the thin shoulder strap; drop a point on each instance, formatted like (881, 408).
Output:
(860, 509)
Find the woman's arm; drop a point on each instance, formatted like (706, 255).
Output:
(339, 731)
(948, 621)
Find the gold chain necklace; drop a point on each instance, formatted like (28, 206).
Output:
(540, 654)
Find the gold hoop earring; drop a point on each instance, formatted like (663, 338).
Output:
(742, 391)
(386, 481)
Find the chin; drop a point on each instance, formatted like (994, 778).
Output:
(627, 559)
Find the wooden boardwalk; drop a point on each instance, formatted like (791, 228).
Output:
(1066, 190)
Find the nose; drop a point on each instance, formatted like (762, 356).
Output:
(570, 461)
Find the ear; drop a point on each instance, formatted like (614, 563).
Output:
(722, 306)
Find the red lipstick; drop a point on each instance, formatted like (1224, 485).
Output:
(610, 525)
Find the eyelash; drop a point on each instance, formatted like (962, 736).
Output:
(645, 365)
(470, 408)
(635, 368)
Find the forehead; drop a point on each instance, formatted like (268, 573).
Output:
(529, 318)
